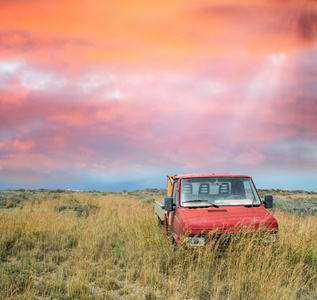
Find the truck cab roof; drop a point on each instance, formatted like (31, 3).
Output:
(191, 175)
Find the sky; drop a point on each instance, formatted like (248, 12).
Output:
(115, 95)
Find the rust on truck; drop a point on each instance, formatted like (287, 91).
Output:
(169, 184)
(199, 205)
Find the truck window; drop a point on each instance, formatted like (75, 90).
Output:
(175, 196)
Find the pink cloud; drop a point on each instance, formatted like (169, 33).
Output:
(135, 119)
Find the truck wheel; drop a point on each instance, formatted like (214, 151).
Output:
(175, 246)
(165, 226)
(159, 222)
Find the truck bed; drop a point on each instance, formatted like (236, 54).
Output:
(159, 209)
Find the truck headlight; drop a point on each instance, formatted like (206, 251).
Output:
(194, 241)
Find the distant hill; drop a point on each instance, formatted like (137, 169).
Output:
(298, 202)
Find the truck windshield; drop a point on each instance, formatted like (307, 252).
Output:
(218, 191)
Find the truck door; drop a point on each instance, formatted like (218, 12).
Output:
(175, 219)
(175, 202)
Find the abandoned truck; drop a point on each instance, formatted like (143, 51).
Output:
(201, 206)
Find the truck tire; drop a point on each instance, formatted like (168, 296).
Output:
(175, 246)
(160, 222)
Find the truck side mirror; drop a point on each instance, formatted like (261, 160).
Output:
(268, 201)
(168, 204)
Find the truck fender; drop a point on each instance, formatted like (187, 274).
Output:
(176, 238)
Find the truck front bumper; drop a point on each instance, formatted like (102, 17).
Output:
(222, 241)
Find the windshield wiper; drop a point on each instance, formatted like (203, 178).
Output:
(252, 205)
(209, 203)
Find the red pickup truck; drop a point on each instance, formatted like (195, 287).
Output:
(204, 205)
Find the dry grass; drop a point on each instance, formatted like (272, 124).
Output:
(110, 247)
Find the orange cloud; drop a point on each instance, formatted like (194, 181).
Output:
(178, 34)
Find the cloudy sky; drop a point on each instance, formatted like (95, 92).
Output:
(113, 95)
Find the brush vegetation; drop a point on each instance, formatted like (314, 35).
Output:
(57, 244)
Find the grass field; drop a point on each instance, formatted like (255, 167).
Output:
(65, 245)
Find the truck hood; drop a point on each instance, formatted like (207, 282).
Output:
(228, 219)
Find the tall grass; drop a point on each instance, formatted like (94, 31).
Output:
(111, 247)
